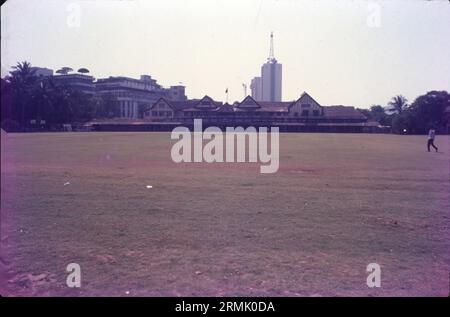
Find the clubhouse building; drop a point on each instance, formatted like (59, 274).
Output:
(303, 115)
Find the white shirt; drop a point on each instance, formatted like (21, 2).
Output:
(431, 134)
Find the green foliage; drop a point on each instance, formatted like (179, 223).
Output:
(27, 97)
(397, 104)
(107, 106)
(378, 113)
(429, 111)
(425, 112)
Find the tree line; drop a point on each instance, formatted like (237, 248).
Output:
(31, 102)
(426, 111)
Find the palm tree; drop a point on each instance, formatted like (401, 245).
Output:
(22, 77)
(22, 74)
(398, 104)
(23, 69)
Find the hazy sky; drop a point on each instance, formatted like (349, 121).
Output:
(355, 53)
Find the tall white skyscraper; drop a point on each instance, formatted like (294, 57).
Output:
(268, 86)
(271, 81)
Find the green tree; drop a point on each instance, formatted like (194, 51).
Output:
(83, 106)
(428, 110)
(8, 123)
(403, 123)
(22, 78)
(26, 97)
(107, 106)
(378, 113)
(398, 104)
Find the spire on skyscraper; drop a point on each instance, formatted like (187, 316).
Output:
(271, 58)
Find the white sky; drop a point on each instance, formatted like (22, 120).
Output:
(327, 47)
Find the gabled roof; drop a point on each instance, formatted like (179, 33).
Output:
(210, 103)
(248, 103)
(181, 105)
(157, 101)
(197, 105)
(226, 108)
(342, 112)
(275, 106)
(305, 94)
(175, 105)
(275, 103)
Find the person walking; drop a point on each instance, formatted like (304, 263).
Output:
(431, 135)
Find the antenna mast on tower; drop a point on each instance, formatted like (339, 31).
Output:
(271, 58)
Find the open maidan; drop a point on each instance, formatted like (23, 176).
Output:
(221, 143)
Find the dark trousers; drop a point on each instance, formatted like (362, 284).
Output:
(431, 143)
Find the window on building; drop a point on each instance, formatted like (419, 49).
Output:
(305, 113)
(315, 113)
(154, 113)
(295, 114)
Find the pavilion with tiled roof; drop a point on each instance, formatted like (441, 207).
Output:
(303, 114)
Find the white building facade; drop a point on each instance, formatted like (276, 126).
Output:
(134, 95)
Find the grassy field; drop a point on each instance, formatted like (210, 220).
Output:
(337, 203)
